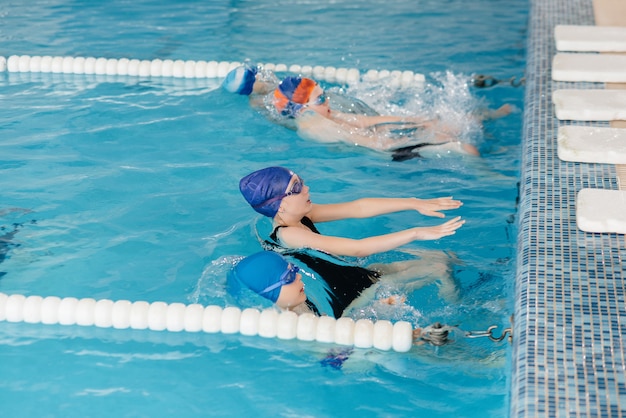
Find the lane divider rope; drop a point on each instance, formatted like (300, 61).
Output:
(177, 317)
(191, 69)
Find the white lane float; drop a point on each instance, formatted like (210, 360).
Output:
(179, 317)
(192, 69)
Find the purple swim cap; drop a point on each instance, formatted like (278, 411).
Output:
(264, 273)
(262, 188)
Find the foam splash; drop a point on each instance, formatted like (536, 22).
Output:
(212, 284)
(447, 97)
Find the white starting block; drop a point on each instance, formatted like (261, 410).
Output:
(590, 38)
(590, 105)
(603, 211)
(588, 144)
(595, 68)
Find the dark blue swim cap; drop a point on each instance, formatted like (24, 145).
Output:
(241, 80)
(263, 188)
(262, 270)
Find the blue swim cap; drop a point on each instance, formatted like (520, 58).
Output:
(260, 271)
(263, 189)
(240, 80)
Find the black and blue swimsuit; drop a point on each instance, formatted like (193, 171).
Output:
(345, 282)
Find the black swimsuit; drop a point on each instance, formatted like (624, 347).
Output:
(408, 152)
(345, 282)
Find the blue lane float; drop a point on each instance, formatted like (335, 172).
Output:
(179, 317)
(192, 69)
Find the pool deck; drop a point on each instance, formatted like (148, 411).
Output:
(569, 347)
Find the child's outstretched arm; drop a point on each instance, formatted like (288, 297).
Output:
(295, 237)
(372, 206)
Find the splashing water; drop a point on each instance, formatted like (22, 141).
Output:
(447, 97)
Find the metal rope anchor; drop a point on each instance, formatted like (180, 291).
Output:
(436, 334)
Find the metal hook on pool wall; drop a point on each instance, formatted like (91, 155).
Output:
(489, 333)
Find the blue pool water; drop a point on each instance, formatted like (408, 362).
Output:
(126, 188)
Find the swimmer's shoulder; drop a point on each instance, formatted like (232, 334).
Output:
(295, 237)
(313, 126)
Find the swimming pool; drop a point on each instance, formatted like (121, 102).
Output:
(127, 190)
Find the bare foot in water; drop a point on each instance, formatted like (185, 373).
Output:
(417, 337)
(502, 111)
(393, 300)
(498, 113)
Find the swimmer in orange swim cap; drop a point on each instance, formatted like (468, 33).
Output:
(303, 100)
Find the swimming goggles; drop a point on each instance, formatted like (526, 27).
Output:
(296, 188)
(288, 276)
(321, 99)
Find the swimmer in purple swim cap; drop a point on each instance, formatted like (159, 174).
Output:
(282, 195)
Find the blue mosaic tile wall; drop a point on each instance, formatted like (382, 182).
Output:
(569, 347)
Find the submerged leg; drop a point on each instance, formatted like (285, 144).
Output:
(490, 114)
(431, 267)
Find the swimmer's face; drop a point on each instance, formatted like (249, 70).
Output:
(297, 199)
(318, 101)
(292, 294)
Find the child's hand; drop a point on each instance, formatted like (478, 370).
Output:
(432, 207)
(393, 300)
(439, 231)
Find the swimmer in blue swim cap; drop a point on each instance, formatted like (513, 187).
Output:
(251, 80)
(258, 84)
(270, 275)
